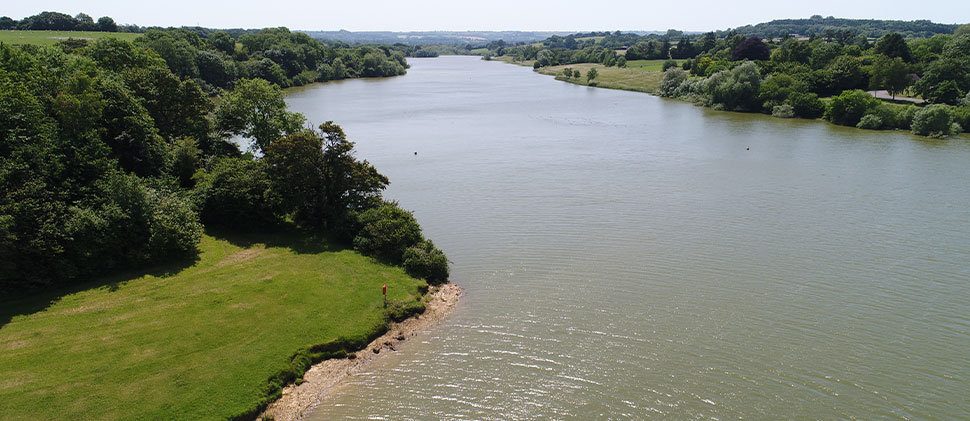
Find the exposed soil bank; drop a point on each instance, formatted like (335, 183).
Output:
(321, 379)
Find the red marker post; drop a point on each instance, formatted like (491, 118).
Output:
(384, 291)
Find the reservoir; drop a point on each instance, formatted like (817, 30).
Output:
(626, 256)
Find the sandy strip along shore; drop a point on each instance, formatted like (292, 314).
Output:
(321, 379)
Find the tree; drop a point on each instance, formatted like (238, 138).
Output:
(893, 45)
(672, 79)
(257, 110)
(387, 232)
(591, 74)
(223, 42)
(576, 74)
(848, 108)
(890, 74)
(106, 24)
(751, 49)
(934, 121)
(735, 89)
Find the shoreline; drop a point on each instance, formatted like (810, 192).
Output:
(322, 379)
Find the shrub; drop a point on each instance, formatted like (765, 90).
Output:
(870, 121)
(668, 64)
(425, 261)
(934, 121)
(174, 227)
(961, 116)
(673, 78)
(236, 194)
(783, 111)
(386, 232)
(735, 89)
(848, 108)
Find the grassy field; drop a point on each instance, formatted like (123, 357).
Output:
(198, 343)
(649, 65)
(629, 79)
(52, 37)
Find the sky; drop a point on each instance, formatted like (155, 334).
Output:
(492, 15)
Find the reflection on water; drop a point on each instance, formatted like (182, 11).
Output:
(626, 256)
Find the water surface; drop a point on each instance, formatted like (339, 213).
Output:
(626, 256)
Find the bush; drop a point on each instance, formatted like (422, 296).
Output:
(669, 64)
(386, 232)
(735, 89)
(427, 262)
(934, 121)
(904, 116)
(783, 111)
(848, 108)
(806, 105)
(236, 193)
(870, 121)
(673, 78)
(174, 227)
(961, 116)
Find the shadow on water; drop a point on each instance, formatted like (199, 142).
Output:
(34, 301)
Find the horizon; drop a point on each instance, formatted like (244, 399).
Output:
(440, 16)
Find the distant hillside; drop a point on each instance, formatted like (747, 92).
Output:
(871, 28)
(431, 37)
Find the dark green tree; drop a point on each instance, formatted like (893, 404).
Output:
(893, 45)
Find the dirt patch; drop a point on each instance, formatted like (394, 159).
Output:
(323, 378)
(241, 256)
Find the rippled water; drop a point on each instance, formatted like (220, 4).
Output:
(626, 256)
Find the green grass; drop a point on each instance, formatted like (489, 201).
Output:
(628, 79)
(200, 343)
(649, 65)
(52, 37)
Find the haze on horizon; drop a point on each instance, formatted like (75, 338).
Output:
(497, 15)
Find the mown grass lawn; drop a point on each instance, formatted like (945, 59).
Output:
(199, 343)
(629, 79)
(52, 37)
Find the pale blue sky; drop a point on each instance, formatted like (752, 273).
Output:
(424, 15)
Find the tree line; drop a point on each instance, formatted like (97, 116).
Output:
(56, 21)
(116, 154)
(791, 77)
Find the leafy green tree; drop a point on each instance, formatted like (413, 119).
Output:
(848, 108)
(223, 42)
(424, 260)
(237, 193)
(256, 110)
(890, 74)
(668, 64)
(893, 45)
(387, 232)
(845, 73)
(792, 50)
(934, 121)
(591, 74)
(672, 80)
(106, 24)
(806, 104)
(576, 74)
(735, 89)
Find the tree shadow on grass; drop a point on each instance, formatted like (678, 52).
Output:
(33, 301)
(284, 236)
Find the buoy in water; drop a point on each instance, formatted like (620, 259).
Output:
(415, 153)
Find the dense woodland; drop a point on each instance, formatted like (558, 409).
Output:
(810, 77)
(115, 155)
